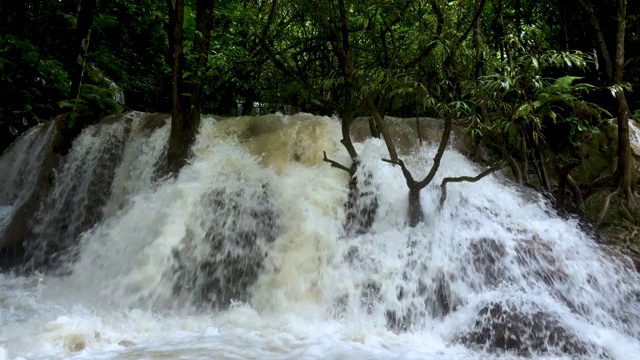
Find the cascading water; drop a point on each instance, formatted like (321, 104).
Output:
(104, 156)
(19, 166)
(244, 255)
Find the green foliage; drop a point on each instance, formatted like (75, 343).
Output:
(30, 85)
(529, 108)
(129, 46)
(93, 103)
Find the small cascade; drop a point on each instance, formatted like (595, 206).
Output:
(20, 163)
(85, 179)
(143, 150)
(635, 137)
(118, 96)
(21, 171)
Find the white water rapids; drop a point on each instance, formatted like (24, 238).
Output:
(151, 279)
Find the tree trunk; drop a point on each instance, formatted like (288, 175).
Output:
(382, 127)
(185, 114)
(201, 44)
(518, 19)
(415, 214)
(600, 40)
(625, 164)
(80, 45)
(178, 141)
(503, 32)
(482, 107)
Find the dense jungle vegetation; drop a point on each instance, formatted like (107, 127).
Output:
(536, 84)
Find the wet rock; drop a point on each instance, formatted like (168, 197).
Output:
(404, 132)
(74, 343)
(361, 206)
(502, 327)
(487, 255)
(537, 256)
(431, 298)
(126, 343)
(236, 239)
(17, 229)
(76, 201)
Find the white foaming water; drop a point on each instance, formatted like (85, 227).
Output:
(20, 162)
(19, 167)
(258, 203)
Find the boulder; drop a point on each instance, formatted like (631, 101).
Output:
(221, 266)
(503, 327)
(487, 255)
(361, 206)
(405, 133)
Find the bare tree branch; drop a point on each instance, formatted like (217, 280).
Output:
(445, 181)
(446, 134)
(336, 164)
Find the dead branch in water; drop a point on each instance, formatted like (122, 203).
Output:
(445, 181)
(336, 164)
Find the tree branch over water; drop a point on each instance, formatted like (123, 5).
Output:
(445, 181)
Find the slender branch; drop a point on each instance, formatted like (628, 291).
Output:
(418, 126)
(446, 134)
(563, 172)
(431, 46)
(407, 174)
(577, 194)
(336, 164)
(476, 16)
(445, 181)
(605, 207)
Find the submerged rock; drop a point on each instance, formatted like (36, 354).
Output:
(221, 265)
(503, 327)
(361, 206)
(487, 256)
(74, 343)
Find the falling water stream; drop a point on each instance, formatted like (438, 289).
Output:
(243, 255)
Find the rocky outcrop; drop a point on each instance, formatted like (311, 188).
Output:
(503, 327)
(25, 239)
(221, 266)
(17, 228)
(406, 136)
(361, 206)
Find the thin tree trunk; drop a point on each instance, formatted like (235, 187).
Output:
(505, 41)
(482, 107)
(518, 11)
(178, 144)
(202, 41)
(415, 214)
(625, 165)
(347, 119)
(382, 127)
(80, 45)
(600, 40)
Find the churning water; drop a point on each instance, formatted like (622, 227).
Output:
(244, 256)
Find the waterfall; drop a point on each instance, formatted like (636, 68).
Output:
(245, 254)
(89, 182)
(20, 167)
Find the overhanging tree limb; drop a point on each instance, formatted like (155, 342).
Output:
(336, 164)
(445, 181)
(446, 134)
